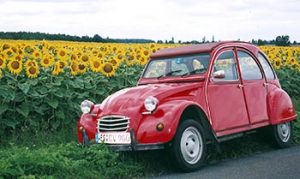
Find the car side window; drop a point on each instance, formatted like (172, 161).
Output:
(266, 66)
(225, 65)
(249, 68)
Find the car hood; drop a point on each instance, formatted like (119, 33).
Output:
(131, 100)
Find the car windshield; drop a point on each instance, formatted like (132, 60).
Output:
(177, 66)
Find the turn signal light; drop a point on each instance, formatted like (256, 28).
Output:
(160, 126)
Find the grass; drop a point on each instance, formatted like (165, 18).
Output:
(56, 155)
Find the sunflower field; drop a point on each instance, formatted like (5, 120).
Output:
(42, 83)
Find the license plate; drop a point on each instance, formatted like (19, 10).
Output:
(113, 138)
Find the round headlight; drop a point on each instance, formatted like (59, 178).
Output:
(150, 103)
(86, 106)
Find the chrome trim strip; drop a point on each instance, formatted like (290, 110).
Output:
(112, 120)
(118, 124)
(114, 116)
(113, 129)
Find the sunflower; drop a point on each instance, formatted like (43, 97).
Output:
(115, 62)
(108, 70)
(277, 63)
(143, 60)
(146, 52)
(62, 54)
(28, 49)
(84, 58)
(30, 63)
(45, 44)
(74, 57)
(9, 52)
(292, 61)
(5, 46)
(153, 50)
(1, 73)
(36, 54)
(131, 60)
(152, 46)
(82, 67)
(2, 62)
(32, 71)
(57, 68)
(74, 68)
(19, 57)
(47, 61)
(15, 66)
(103, 49)
(120, 57)
(78, 53)
(95, 52)
(95, 65)
(62, 64)
(20, 52)
(100, 55)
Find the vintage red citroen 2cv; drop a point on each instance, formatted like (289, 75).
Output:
(190, 96)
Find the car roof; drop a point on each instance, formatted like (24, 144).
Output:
(200, 48)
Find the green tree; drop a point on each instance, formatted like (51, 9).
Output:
(283, 40)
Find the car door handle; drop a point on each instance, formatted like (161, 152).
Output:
(265, 84)
(240, 86)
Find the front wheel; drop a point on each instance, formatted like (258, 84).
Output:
(282, 134)
(189, 146)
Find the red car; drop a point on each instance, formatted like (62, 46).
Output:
(190, 96)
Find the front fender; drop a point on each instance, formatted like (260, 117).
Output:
(280, 106)
(169, 114)
(88, 123)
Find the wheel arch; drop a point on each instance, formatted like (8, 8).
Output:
(196, 113)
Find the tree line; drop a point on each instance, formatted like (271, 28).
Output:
(64, 37)
(283, 40)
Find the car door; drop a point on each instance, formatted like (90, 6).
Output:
(225, 94)
(254, 86)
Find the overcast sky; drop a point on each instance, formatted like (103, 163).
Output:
(155, 19)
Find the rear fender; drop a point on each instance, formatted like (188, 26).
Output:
(280, 107)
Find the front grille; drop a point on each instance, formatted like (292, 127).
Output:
(113, 124)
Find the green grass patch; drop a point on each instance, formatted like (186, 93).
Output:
(65, 161)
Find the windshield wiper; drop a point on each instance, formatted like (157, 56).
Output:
(195, 71)
(169, 73)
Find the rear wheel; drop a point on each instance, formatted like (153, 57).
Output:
(189, 146)
(282, 134)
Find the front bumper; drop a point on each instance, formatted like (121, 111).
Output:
(133, 146)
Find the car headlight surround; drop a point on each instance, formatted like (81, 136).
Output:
(86, 106)
(150, 103)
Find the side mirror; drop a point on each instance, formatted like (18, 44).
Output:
(220, 74)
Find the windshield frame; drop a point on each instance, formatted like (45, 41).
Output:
(168, 70)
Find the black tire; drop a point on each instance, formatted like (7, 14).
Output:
(189, 156)
(281, 134)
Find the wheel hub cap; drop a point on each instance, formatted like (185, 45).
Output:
(284, 131)
(191, 145)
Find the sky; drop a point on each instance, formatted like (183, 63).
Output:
(184, 20)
